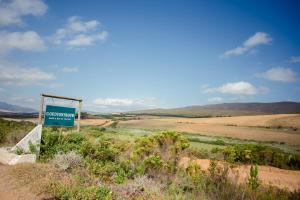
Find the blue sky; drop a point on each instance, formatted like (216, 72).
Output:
(126, 55)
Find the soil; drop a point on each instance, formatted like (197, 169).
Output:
(10, 188)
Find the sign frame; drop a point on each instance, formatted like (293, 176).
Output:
(43, 96)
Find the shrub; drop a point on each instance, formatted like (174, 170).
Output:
(197, 153)
(2, 136)
(114, 124)
(33, 148)
(259, 154)
(65, 161)
(19, 151)
(141, 187)
(49, 144)
(253, 181)
(12, 132)
(66, 192)
(219, 142)
(159, 151)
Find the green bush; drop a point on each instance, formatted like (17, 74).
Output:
(114, 124)
(68, 192)
(12, 132)
(262, 155)
(197, 153)
(253, 181)
(160, 149)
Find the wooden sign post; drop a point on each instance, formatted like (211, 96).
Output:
(59, 116)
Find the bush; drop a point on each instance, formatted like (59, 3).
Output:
(141, 187)
(253, 181)
(262, 155)
(49, 144)
(114, 124)
(197, 153)
(66, 192)
(159, 150)
(12, 132)
(65, 161)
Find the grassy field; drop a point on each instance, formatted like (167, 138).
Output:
(282, 128)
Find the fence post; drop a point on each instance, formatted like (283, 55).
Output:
(79, 116)
(41, 109)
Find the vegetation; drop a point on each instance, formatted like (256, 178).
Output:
(253, 179)
(262, 155)
(94, 164)
(99, 167)
(11, 131)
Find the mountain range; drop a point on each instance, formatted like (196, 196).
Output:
(213, 110)
(10, 108)
(226, 109)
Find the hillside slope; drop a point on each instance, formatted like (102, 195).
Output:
(227, 109)
(5, 107)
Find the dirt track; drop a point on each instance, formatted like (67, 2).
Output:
(10, 188)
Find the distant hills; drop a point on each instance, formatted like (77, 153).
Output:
(226, 109)
(10, 108)
(214, 110)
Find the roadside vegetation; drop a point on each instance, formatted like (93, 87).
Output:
(11, 131)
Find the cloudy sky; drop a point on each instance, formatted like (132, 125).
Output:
(136, 54)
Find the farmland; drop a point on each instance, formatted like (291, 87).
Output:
(268, 128)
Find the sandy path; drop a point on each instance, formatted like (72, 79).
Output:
(281, 178)
(11, 190)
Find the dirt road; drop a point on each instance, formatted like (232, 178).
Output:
(10, 189)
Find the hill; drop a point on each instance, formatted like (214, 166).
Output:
(5, 107)
(226, 109)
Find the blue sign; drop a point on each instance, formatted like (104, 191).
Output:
(59, 116)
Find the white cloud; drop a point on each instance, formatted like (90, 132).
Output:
(279, 74)
(259, 38)
(242, 88)
(11, 12)
(16, 75)
(80, 33)
(70, 69)
(114, 102)
(124, 102)
(295, 59)
(86, 40)
(26, 41)
(76, 25)
(215, 99)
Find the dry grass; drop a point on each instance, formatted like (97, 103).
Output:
(243, 127)
(281, 178)
(95, 122)
(38, 176)
(28, 181)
